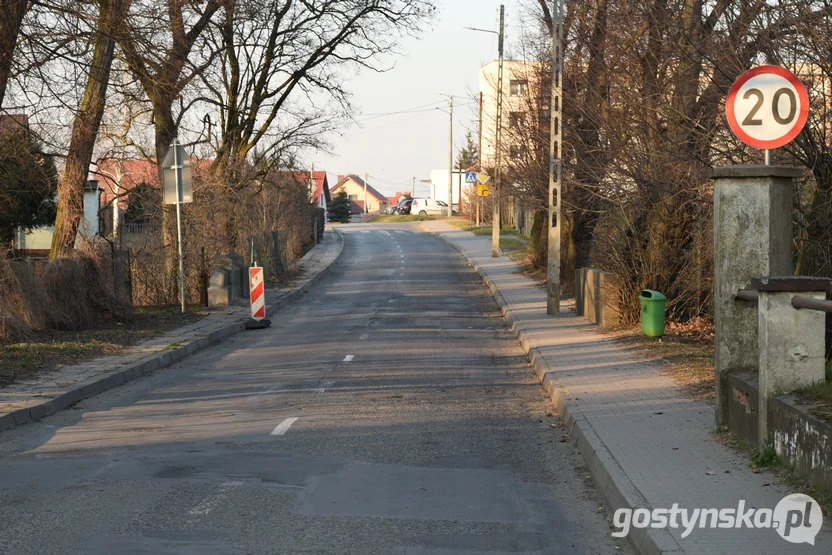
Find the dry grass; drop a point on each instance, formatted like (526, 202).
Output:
(47, 350)
(67, 294)
(685, 353)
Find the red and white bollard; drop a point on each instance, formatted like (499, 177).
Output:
(258, 293)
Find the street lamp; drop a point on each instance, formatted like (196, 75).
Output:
(555, 166)
(450, 155)
(495, 224)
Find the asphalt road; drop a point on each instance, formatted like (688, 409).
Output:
(389, 411)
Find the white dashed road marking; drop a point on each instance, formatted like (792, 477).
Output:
(210, 502)
(324, 387)
(284, 426)
(364, 337)
(349, 358)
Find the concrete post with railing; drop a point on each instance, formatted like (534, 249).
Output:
(792, 341)
(752, 238)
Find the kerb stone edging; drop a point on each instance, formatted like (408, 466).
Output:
(609, 477)
(163, 359)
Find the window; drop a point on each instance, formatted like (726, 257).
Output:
(516, 119)
(517, 151)
(518, 87)
(353, 197)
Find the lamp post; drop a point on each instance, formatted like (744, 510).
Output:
(451, 157)
(555, 166)
(495, 224)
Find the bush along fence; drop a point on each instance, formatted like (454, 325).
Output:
(66, 293)
(770, 325)
(228, 280)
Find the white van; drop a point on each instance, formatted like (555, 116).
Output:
(425, 206)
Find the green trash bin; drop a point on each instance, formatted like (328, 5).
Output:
(652, 313)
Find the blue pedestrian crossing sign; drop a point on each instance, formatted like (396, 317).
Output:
(470, 178)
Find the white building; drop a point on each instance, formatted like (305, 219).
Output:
(439, 186)
(521, 99)
(38, 241)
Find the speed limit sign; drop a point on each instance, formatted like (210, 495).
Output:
(767, 107)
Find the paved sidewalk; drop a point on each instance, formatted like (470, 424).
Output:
(645, 443)
(50, 392)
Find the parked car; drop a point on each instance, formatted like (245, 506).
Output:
(391, 209)
(444, 205)
(403, 207)
(428, 206)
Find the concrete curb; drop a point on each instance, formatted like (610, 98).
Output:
(163, 359)
(616, 487)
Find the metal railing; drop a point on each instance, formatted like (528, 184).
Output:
(798, 301)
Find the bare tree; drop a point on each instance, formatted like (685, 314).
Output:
(12, 13)
(279, 84)
(162, 58)
(85, 128)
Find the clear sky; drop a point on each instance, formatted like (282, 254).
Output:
(445, 59)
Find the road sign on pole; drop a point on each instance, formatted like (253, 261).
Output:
(767, 107)
(258, 296)
(470, 178)
(482, 191)
(176, 172)
(483, 178)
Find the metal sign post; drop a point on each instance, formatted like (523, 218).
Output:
(178, 189)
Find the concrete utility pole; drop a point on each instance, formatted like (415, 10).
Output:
(451, 158)
(555, 167)
(366, 177)
(495, 224)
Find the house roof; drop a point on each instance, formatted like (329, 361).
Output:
(320, 180)
(128, 174)
(370, 190)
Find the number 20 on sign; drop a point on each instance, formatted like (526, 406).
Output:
(767, 107)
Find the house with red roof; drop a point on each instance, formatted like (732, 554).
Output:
(318, 187)
(355, 188)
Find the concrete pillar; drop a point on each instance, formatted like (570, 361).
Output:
(219, 288)
(608, 293)
(752, 238)
(236, 275)
(792, 341)
(579, 291)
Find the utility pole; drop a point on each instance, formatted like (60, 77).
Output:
(495, 224)
(451, 158)
(366, 177)
(413, 188)
(555, 166)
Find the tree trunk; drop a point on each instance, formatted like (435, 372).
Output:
(11, 18)
(85, 130)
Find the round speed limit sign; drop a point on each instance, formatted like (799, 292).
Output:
(767, 107)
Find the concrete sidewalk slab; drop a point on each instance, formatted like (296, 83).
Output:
(646, 444)
(50, 392)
